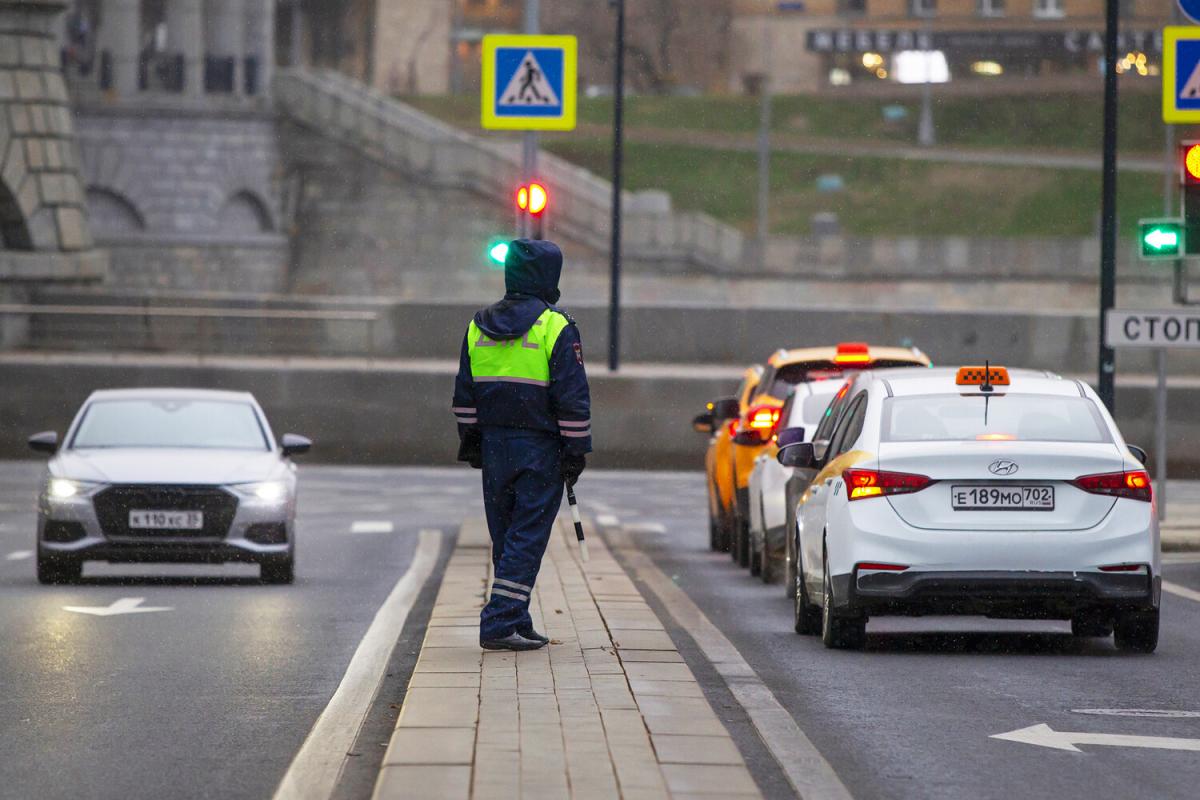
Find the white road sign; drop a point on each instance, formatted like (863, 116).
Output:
(1172, 328)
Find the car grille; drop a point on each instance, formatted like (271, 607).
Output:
(114, 504)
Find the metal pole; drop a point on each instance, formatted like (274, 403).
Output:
(1108, 208)
(614, 307)
(1160, 433)
(764, 148)
(529, 143)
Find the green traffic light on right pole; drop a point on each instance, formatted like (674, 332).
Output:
(1160, 239)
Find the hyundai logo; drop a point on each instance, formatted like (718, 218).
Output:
(1002, 466)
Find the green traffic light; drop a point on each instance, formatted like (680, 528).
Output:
(498, 252)
(1160, 239)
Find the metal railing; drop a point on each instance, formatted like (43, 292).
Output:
(204, 316)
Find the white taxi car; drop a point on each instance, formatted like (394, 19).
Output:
(976, 491)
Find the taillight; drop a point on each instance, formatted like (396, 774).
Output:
(852, 353)
(863, 483)
(1124, 568)
(880, 566)
(1135, 485)
(762, 418)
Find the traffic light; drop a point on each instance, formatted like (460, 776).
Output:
(1189, 179)
(497, 252)
(532, 200)
(1160, 239)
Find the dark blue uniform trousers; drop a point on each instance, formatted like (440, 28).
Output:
(522, 492)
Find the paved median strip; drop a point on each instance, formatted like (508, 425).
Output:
(608, 710)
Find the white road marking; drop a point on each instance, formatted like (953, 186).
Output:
(1181, 591)
(19, 555)
(371, 526)
(314, 771)
(1153, 713)
(126, 605)
(607, 520)
(1043, 735)
(806, 769)
(644, 527)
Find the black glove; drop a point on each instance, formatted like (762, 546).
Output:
(470, 448)
(572, 468)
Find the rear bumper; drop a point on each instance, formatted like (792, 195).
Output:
(996, 593)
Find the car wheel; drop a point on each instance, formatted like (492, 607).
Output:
(755, 555)
(837, 632)
(278, 571)
(714, 533)
(806, 616)
(766, 568)
(1091, 624)
(1136, 631)
(58, 569)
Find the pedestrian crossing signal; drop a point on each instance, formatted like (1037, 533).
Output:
(1160, 239)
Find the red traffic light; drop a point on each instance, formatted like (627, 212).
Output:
(533, 198)
(1190, 158)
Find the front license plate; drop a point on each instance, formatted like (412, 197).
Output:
(1002, 498)
(166, 520)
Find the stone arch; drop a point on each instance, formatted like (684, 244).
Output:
(113, 213)
(14, 225)
(245, 213)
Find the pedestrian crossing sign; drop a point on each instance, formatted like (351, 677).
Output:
(1181, 73)
(529, 82)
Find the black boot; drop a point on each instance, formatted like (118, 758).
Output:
(514, 641)
(530, 633)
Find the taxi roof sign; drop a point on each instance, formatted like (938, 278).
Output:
(980, 376)
(1181, 73)
(529, 82)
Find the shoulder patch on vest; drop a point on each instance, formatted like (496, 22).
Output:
(578, 352)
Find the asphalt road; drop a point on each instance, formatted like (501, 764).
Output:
(213, 698)
(912, 716)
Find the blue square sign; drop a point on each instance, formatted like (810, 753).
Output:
(529, 82)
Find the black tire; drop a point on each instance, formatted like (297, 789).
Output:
(805, 616)
(58, 569)
(714, 532)
(1136, 631)
(767, 569)
(837, 632)
(1089, 624)
(755, 556)
(281, 571)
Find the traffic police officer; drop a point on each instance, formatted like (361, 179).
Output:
(523, 409)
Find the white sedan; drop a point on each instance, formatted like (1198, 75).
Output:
(1010, 495)
(773, 486)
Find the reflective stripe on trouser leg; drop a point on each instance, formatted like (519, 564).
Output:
(523, 489)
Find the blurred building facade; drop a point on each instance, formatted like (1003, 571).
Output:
(814, 45)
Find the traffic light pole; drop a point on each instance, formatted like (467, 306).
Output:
(1106, 386)
(529, 142)
(614, 306)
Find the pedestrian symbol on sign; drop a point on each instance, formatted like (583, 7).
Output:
(529, 86)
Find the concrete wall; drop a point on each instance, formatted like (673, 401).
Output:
(186, 199)
(394, 414)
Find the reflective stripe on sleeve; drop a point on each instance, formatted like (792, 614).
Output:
(463, 410)
(468, 420)
(575, 434)
(564, 423)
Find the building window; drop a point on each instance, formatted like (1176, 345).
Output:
(991, 8)
(852, 8)
(1048, 9)
(922, 8)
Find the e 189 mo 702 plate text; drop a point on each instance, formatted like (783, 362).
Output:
(983, 497)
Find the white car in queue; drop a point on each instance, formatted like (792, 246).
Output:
(167, 475)
(774, 487)
(983, 491)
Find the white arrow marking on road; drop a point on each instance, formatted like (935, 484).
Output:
(18, 555)
(1043, 735)
(126, 605)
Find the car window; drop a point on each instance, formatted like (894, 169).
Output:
(169, 422)
(852, 425)
(1022, 417)
(825, 429)
(812, 409)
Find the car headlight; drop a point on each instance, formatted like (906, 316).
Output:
(65, 488)
(267, 491)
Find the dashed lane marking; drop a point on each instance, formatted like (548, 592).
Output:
(1181, 591)
(371, 526)
(644, 527)
(19, 555)
(607, 520)
(314, 772)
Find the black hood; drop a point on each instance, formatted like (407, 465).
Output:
(531, 273)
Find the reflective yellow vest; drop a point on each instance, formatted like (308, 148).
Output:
(525, 360)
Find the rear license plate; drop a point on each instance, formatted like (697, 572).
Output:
(166, 520)
(983, 497)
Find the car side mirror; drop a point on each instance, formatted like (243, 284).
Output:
(44, 442)
(819, 448)
(703, 423)
(789, 436)
(799, 455)
(1138, 453)
(724, 408)
(294, 445)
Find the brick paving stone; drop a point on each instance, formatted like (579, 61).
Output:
(592, 717)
